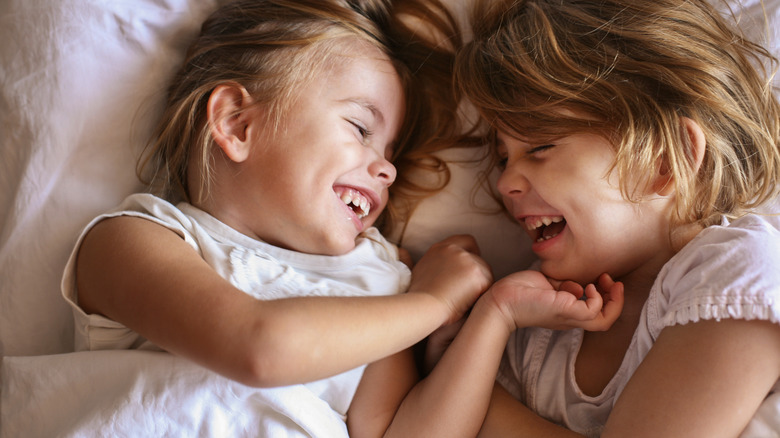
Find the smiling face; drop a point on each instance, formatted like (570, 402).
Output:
(574, 212)
(322, 177)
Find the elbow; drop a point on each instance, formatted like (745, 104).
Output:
(259, 354)
(265, 365)
(260, 372)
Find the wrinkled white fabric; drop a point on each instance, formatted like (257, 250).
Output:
(104, 391)
(135, 393)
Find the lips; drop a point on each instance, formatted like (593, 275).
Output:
(354, 199)
(543, 228)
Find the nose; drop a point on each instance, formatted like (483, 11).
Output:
(512, 183)
(383, 170)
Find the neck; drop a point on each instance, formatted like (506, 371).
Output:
(637, 284)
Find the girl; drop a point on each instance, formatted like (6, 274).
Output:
(638, 139)
(277, 139)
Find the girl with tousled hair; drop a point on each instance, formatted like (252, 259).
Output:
(272, 58)
(638, 141)
(276, 146)
(257, 257)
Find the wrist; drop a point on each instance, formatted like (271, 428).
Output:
(437, 308)
(491, 306)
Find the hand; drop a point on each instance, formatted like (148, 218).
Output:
(453, 272)
(528, 298)
(405, 257)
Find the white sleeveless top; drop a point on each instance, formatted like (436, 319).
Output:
(261, 270)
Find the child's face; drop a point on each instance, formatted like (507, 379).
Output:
(324, 177)
(580, 224)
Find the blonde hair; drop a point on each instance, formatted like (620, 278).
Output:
(271, 47)
(629, 71)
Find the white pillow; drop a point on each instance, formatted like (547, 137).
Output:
(81, 83)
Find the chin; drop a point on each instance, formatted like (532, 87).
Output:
(338, 248)
(563, 274)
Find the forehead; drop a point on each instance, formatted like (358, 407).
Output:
(361, 75)
(547, 124)
(350, 56)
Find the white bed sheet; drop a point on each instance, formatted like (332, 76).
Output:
(133, 393)
(80, 83)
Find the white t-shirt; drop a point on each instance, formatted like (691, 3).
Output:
(265, 272)
(726, 271)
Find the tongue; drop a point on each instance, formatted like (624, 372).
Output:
(553, 229)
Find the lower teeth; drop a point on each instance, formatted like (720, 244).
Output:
(543, 238)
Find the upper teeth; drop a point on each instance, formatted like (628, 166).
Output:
(352, 197)
(535, 222)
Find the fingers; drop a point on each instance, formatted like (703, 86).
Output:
(465, 241)
(452, 271)
(405, 257)
(593, 302)
(612, 292)
(614, 303)
(606, 309)
(605, 281)
(535, 300)
(571, 287)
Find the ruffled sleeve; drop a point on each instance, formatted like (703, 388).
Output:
(727, 271)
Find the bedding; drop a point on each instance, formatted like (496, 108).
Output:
(81, 82)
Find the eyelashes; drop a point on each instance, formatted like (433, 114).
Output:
(501, 163)
(531, 152)
(363, 132)
(537, 149)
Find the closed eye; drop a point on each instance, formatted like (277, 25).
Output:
(362, 131)
(539, 149)
(502, 162)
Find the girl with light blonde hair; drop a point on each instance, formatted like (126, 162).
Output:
(637, 139)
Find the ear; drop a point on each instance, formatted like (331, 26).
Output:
(229, 120)
(695, 141)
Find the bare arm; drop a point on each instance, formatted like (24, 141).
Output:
(146, 277)
(508, 417)
(453, 399)
(700, 379)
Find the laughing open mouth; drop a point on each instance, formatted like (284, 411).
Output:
(544, 227)
(360, 204)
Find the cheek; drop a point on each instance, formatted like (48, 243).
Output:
(507, 203)
(506, 199)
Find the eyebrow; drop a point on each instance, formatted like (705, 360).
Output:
(378, 116)
(362, 103)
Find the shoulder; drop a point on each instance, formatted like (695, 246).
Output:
(143, 210)
(727, 271)
(137, 229)
(137, 221)
(154, 209)
(747, 247)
